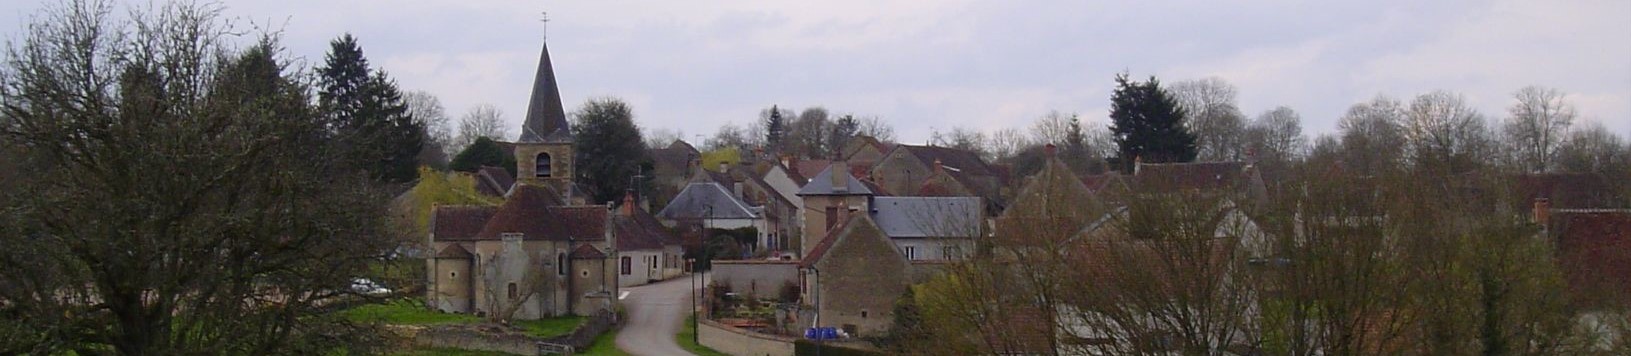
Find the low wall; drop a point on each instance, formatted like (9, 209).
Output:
(739, 342)
(760, 278)
(475, 338)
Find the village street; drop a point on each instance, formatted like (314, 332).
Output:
(655, 313)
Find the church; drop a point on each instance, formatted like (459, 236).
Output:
(544, 252)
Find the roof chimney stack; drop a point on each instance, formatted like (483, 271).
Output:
(628, 203)
(840, 175)
(1050, 150)
(1543, 211)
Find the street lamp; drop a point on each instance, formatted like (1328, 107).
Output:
(691, 264)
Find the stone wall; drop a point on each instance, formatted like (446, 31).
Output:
(759, 278)
(467, 337)
(739, 342)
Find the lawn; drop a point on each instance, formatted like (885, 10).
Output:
(550, 327)
(405, 312)
(687, 340)
(605, 345)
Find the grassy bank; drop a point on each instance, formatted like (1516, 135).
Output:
(687, 340)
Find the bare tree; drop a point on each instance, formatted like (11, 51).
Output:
(484, 120)
(427, 110)
(810, 134)
(1277, 135)
(876, 128)
(177, 198)
(961, 138)
(1592, 148)
(1537, 125)
(511, 278)
(660, 137)
(1372, 140)
(1443, 134)
(728, 136)
(1052, 128)
(1007, 142)
(1214, 117)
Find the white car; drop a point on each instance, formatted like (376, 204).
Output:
(365, 286)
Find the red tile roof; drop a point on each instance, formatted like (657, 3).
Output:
(451, 223)
(820, 249)
(454, 252)
(586, 252)
(641, 231)
(1594, 248)
(493, 181)
(536, 213)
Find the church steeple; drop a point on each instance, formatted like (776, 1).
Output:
(546, 118)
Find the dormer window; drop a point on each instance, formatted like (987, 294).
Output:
(541, 169)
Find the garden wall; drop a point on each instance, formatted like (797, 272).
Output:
(739, 342)
(760, 278)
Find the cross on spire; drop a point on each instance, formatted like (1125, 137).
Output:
(544, 18)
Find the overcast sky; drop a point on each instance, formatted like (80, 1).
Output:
(922, 65)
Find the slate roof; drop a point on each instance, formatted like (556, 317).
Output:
(920, 217)
(493, 181)
(538, 215)
(454, 252)
(546, 118)
(460, 222)
(821, 184)
(966, 161)
(706, 200)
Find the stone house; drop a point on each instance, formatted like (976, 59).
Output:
(647, 250)
(907, 168)
(853, 277)
(709, 204)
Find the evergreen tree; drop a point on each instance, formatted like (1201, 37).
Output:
(483, 152)
(1148, 125)
(775, 129)
(843, 130)
(366, 113)
(609, 147)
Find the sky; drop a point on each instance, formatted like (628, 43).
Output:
(922, 66)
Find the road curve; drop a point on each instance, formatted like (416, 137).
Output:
(655, 313)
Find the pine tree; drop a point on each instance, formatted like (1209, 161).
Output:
(366, 114)
(1148, 125)
(843, 130)
(775, 129)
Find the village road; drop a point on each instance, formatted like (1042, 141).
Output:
(655, 313)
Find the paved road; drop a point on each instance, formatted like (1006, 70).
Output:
(655, 313)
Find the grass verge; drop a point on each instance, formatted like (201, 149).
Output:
(687, 340)
(405, 312)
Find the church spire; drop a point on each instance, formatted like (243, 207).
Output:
(546, 118)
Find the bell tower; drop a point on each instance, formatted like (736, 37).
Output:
(544, 154)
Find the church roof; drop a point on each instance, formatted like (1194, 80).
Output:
(546, 118)
(538, 215)
(454, 252)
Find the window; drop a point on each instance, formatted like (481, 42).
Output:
(911, 252)
(832, 217)
(626, 265)
(453, 275)
(863, 313)
(513, 291)
(560, 264)
(541, 167)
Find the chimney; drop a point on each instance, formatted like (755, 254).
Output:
(1137, 161)
(724, 166)
(737, 189)
(840, 173)
(1543, 211)
(787, 162)
(628, 203)
(938, 168)
(1049, 150)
